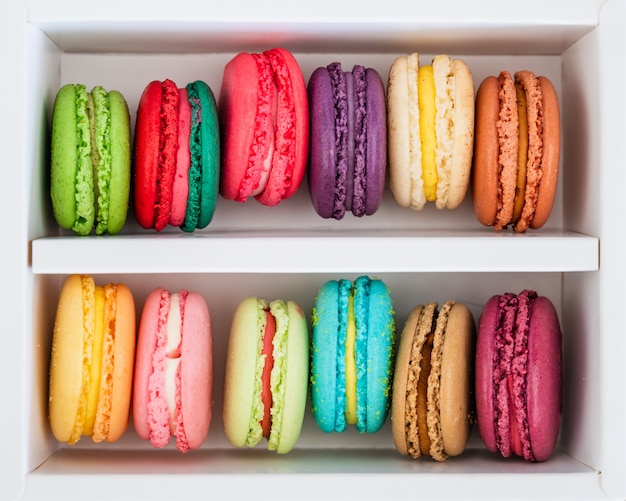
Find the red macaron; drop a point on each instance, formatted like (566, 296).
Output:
(519, 375)
(264, 124)
(177, 156)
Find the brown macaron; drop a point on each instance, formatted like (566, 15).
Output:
(516, 151)
(432, 389)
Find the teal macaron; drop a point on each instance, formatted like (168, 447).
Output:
(352, 349)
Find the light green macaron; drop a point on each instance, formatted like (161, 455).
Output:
(90, 160)
(243, 386)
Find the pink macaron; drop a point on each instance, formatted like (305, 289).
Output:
(264, 125)
(519, 375)
(174, 370)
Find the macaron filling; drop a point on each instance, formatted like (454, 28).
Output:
(534, 106)
(165, 417)
(180, 187)
(102, 418)
(267, 359)
(427, 114)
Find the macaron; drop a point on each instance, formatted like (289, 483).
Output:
(267, 368)
(173, 384)
(352, 350)
(516, 151)
(519, 375)
(177, 156)
(433, 382)
(348, 150)
(430, 114)
(264, 118)
(91, 365)
(90, 160)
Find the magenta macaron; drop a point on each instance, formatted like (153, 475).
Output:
(519, 375)
(172, 392)
(348, 146)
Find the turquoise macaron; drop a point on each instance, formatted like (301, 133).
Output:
(352, 348)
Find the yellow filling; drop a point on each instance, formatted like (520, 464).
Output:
(96, 363)
(351, 364)
(428, 137)
(522, 153)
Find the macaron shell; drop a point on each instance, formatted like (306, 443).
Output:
(238, 101)
(120, 162)
(485, 166)
(325, 328)
(323, 168)
(204, 171)
(463, 135)
(544, 378)
(381, 337)
(123, 363)
(399, 416)
(66, 361)
(376, 166)
(292, 129)
(551, 153)
(196, 370)
(146, 149)
(296, 375)
(405, 157)
(485, 349)
(457, 382)
(240, 388)
(146, 343)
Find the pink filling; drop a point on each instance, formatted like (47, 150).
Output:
(162, 420)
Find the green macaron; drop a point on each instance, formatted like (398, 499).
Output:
(90, 160)
(204, 150)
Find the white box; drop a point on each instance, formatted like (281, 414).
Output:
(288, 251)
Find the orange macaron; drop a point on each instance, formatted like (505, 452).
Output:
(91, 365)
(516, 151)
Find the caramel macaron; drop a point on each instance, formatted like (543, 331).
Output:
(432, 389)
(516, 151)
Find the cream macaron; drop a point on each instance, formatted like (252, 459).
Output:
(430, 113)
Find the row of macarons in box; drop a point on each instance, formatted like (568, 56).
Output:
(441, 376)
(427, 135)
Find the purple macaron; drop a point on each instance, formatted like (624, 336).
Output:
(519, 375)
(348, 148)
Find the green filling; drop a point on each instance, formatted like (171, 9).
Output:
(83, 221)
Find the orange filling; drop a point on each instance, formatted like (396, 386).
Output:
(266, 393)
(522, 152)
(422, 395)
